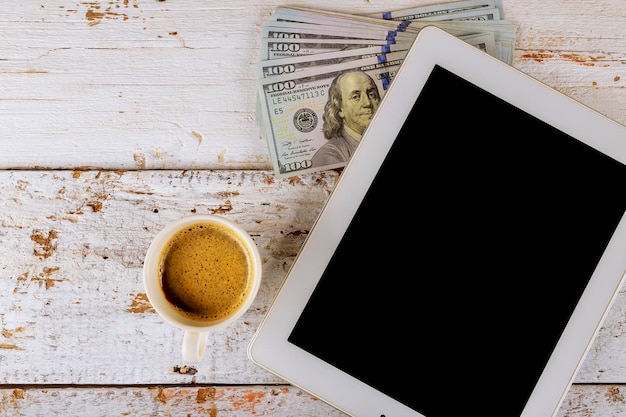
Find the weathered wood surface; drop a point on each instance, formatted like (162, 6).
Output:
(158, 401)
(74, 309)
(74, 313)
(145, 85)
(235, 401)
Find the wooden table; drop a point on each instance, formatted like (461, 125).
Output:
(119, 116)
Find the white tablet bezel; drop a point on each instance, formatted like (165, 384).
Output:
(270, 348)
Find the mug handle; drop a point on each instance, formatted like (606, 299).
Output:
(194, 345)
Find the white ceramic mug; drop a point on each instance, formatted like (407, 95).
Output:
(196, 329)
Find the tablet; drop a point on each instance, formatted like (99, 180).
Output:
(468, 253)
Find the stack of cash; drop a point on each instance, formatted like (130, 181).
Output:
(303, 50)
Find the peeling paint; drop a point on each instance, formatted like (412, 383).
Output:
(140, 160)
(251, 398)
(224, 208)
(614, 395)
(43, 278)
(161, 395)
(10, 347)
(46, 245)
(295, 180)
(140, 304)
(227, 193)
(10, 333)
(586, 60)
(537, 56)
(583, 60)
(98, 202)
(205, 394)
(95, 14)
(321, 182)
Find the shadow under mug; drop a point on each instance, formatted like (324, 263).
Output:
(196, 332)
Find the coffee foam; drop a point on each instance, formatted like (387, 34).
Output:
(206, 272)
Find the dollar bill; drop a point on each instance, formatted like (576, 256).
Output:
(282, 66)
(483, 13)
(296, 30)
(483, 41)
(331, 19)
(292, 108)
(272, 48)
(437, 10)
(292, 64)
(502, 30)
(459, 18)
(303, 50)
(457, 11)
(400, 20)
(284, 16)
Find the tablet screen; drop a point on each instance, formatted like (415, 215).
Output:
(466, 257)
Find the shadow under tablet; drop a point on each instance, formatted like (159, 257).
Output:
(498, 221)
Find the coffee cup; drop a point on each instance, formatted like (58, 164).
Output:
(201, 273)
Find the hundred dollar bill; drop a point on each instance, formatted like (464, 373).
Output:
(287, 65)
(483, 41)
(331, 19)
(434, 10)
(486, 10)
(296, 30)
(502, 30)
(483, 13)
(292, 64)
(272, 48)
(292, 109)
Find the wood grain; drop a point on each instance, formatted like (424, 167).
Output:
(172, 85)
(191, 401)
(74, 306)
(117, 117)
(235, 401)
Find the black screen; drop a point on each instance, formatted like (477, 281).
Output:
(467, 256)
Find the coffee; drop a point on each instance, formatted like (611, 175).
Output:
(206, 271)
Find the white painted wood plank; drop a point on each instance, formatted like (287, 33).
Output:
(594, 401)
(236, 401)
(597, 80)
(190, 401)
(72, 303)
(606, 360)
(151, 85)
